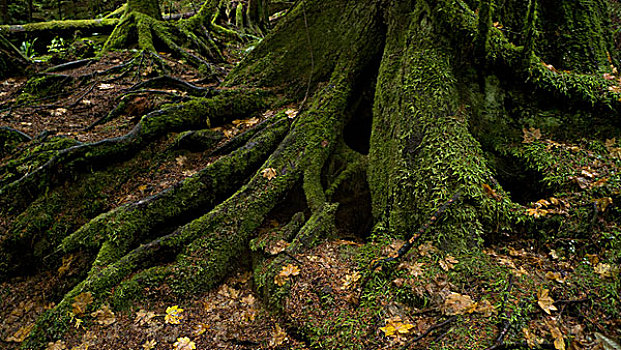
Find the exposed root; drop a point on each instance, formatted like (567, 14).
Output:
(172, 82)
(190, 115)
(581, 89)
(128, 225)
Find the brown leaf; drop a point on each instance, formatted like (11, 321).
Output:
(279, 336)
(458, 304)
(104, 316)
(81, 302)
(546, 303)
(269, 173)
(20, 335)
(559, 341)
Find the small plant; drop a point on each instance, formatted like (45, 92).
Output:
(57, 45)
(27, 48)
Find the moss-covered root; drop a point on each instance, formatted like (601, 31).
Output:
(137, 29)
(127, 226)
(421, 151)
(582, 90)
(190, 115)
(266, 269)
(213, 243)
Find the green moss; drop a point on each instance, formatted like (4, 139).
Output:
(149, 8)
(422, 152)
(44, 85)
(287, 58)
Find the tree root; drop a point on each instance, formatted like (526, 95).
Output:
(126, 226)
(150, 30)
(193, 114)
(581, 89)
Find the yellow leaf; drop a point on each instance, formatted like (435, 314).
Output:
(290, 270)
(200, 328)
(173, 315)
(81, 302)
(458, 304)
(394, 327)
(149, 344)
(604, 270)
(555, 276)
(268, 173)
(389, 330)
(291, 113)
(546, 303)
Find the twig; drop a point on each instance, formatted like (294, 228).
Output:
(506, 324)
(429, 330)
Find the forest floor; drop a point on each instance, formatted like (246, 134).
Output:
(522, 292)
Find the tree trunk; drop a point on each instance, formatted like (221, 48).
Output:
(408, 110)
(150, 8)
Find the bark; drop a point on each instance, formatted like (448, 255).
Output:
(407, 104)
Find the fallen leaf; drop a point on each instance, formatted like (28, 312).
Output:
(20, 335)
(285, 273)
(350, 280)
(104, 316)
(555, 276)
(530, 338)
(81, 302)
(149, 344)
(530, 135)
(278, 247)
(104, 86)
(604, 270)
(58, 345)
(291, 113)
(485, 308)
(394, 327)
(184, 343)
(546, 303)
(279, 336)
(559, 341)
(414, 270)
(143, 317)
(458, 304)
(173, 315)
(269, 173)
(58, 112)
(426, 249)
(448, 263)
(200, 328)
(606, 343)
(64, 267)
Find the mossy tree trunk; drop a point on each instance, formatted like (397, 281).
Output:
(411, 99)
